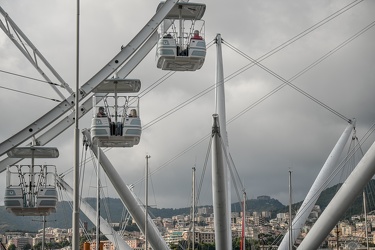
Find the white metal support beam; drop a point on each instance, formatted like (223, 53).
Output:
(349, 190)
(13, 32)
(67, 121)
(105, 228)
(127, 197)
(318, 186)
(110, 67)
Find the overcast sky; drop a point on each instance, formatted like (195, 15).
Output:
(287, 131)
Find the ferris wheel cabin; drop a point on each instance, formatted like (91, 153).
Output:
(31, 189)
(180, 50)
(116, 116)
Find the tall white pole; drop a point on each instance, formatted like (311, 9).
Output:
(220, 110)
(317, 187)
(351, 188)
(98, 200)
(193, 214)
(243, 238)
(219, 195)
(365, 212)
(290, 212)
(44, 232)
(146, 200)
(32, 182)
(75, 219)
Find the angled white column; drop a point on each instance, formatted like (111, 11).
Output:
(348, 192)
(105, 228)
(134, 207)
(318, 186)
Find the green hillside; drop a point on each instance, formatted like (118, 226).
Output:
(113, 207)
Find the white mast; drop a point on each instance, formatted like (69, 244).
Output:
(75, 213)
(351, 188)
(318, 186)
(243, 238)
(290, 212)
(193, 214)
(219, 190)
(98, 200)
(146, 200)
(365, 212)
(221, 186)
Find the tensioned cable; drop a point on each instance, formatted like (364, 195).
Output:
(303, 71)
(204, 170)
(82, 171)
(22, 92)
(288, 82)
(331, 52)
(207, 90)
(156, 83)
(290, 41)
(104, 199)
(30, 78)
(341, 164)
(181, 105)
(231, 163)
(295, 38)
(231, 169)
(349, 157)
(255, 103)
(173, 159)
(87, 235)
(369, 187)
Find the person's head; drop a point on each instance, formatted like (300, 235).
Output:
(133, 112)
(101, 109)
(196, 33)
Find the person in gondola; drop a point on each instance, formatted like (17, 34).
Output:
(168, 36)
(196, 35)
(101, 112)
(133, 113)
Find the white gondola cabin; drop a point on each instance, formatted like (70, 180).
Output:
(31, 189)
(179, 49)
(116, 116)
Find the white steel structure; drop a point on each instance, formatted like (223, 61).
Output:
(127, 59)
(127, 197)
(106, 229)
(142, 43)
(318, 186)
(220, 169)
(123, 63)
(350, 189)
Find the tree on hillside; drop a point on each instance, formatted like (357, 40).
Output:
(12, 247)
(26, 247)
